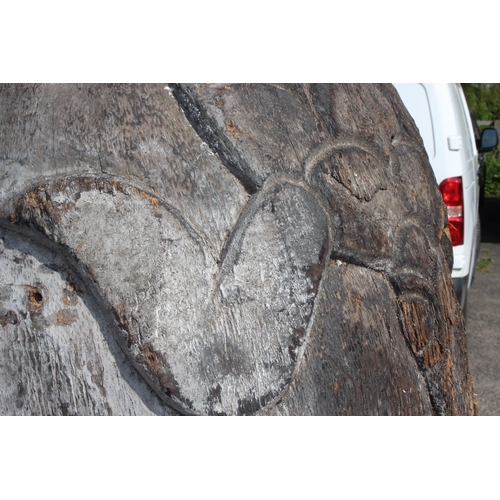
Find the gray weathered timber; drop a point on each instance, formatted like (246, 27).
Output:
(223, 250)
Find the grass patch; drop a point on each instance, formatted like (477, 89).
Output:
(482, 264)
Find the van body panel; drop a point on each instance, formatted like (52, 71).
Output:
(441, 114)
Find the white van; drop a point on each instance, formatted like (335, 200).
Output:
(441, 114)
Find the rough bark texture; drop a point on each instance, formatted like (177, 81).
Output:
(223, 250)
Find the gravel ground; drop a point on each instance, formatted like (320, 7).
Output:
(483, 313)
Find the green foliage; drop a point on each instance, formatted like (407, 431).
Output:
(492, 185)
(483, 100)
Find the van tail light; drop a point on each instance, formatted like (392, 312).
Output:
(453, 197)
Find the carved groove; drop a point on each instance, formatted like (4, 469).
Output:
(216, 141)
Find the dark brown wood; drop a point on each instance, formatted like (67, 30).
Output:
(223, 250)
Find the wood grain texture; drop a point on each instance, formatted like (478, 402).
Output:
(223, 250)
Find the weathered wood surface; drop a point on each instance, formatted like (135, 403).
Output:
(223, 250)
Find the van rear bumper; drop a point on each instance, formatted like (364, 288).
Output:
(460, 285)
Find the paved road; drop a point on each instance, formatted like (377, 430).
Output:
(483, 314)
